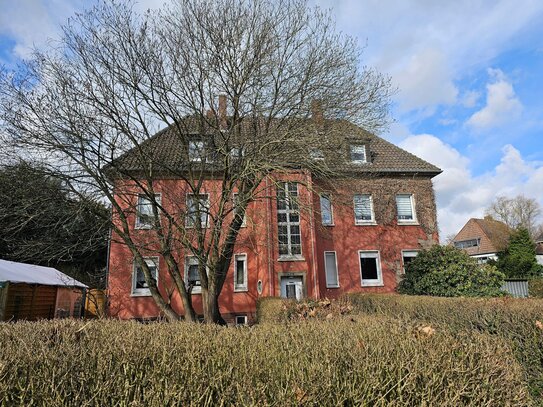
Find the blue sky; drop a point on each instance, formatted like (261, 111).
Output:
(469, 73)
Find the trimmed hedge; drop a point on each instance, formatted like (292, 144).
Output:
(366, 360)
(535, 287)
(518, 321)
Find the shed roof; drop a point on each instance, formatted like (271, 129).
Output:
(31, 274)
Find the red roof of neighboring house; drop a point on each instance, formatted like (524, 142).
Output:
(492, 236)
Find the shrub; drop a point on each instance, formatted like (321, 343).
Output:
(518, 260)
(535, 287)
(445, 271)
(372, 361)
(519, 321)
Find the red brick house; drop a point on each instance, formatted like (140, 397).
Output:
(356, 240)
(482, 238)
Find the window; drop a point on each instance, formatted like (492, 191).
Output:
(288, 220)
(235, 200)
(330, 267)
(316, 154)
(192, 277)
(197, 208)
(144, 212)
(241, 319)
(358, 153)
(237, 152)
(405, 206)
(464, 244)
(326, 210)
(139, 285)
(407, 257)
(240, 272)
(370, 269)
(196, 150)
(363, 209)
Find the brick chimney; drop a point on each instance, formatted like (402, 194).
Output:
(316, 112)
(222, 110)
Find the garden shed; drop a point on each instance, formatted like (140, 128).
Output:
(35, 292)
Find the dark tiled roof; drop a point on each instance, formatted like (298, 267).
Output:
(164, 147)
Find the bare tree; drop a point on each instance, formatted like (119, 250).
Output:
(91, 109)
(516, 212)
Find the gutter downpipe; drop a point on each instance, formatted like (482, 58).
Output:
(313, 242)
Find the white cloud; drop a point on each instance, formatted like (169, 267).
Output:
(428, 45)
(470, 98)
(460, 195)
(32, 23)
(502, 104)
(425, 80)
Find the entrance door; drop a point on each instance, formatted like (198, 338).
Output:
(292, 287)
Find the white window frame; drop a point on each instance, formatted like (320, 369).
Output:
(143, 292)
(329, 198)
(316, 154)
(371, 254)
(326, 271)
(413, 221)
(364, 222)
(245, 286)
(200, 150)
(288, 223)
(244, 222)
(409, 252)
(242, 318)
(142, 225)
(353, 147)
(197, 289)
(207, 206)
(237, 153)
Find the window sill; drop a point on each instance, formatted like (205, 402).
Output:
(378, 284)
(333, 286)
(408, 223)
(372, 223)
(143, 227)
(241, 290)
(291, 258)
(328, 224)
(142, 294)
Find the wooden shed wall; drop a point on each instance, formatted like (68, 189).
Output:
(3, 299)
(31, 302)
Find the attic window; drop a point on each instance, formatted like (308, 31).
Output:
(196, 150)
(358, 153)
(464, 244)
(316, 154)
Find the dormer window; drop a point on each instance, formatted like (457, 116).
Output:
(316, 154)
(237, 152)
(196, 150)
(358, 153)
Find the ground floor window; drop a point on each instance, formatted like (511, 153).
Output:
(330, 266)
(370, 268)
(139, 285)
(192, 276)
(407, 257)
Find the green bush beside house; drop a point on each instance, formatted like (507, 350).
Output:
(445, 271)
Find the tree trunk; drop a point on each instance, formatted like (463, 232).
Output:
(210, 300)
